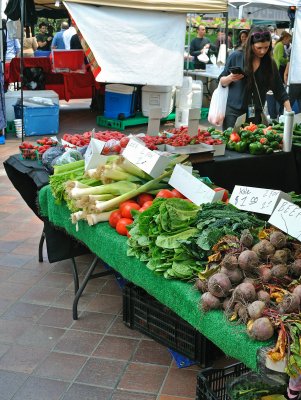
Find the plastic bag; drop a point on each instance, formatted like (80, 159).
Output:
(217, 109)
(68, 157)
(50, 155)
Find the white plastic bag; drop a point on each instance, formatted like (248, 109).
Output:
(217, 109)
(222, 55)
(203, 58)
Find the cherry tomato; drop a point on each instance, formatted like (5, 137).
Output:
(143, 198)
(126, 202)
(165, 193)
(176, 193)
(125, 210)
(114, 218)
(122, 224)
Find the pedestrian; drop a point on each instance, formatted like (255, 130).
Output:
(43, 39)
(58, 39)
(247, 90)
(242, 38)
(13, 48)
(67, 35)
(30, 44)
(199, 45)
(279, 52)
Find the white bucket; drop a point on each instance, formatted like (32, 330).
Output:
(154, 96)
(183, 100)
(182, 115)
(187, 84)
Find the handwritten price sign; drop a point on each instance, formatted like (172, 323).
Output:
(287, 217)
(147, 160)
(257, 200)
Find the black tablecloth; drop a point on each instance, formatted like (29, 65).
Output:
(28, 177)
(278, 171)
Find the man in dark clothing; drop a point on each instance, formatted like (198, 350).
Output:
(43, 39)
(197, 45)
(75, 43)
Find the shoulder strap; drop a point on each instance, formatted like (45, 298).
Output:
(257, 91)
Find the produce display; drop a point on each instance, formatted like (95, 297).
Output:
(297, 135)
(239, 262)
(254, 139)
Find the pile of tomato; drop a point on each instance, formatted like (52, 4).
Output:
(122, 218)
(46, 141)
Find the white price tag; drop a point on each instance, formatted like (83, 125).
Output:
(54, 138)
(147, 160)
(256, 200)
(93, 156)
(287, 217)
(68, 144)
(192, 188)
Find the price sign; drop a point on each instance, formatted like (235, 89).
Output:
(287, 217)
(257, 200)
(192, 188)
(147, 160)
(68, 144)
(93, 156)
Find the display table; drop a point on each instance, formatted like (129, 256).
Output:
(68, 85)
(180, 297)
(278, 171)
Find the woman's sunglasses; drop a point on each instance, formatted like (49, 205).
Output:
(261, 36)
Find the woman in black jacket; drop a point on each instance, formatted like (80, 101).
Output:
(247, 90)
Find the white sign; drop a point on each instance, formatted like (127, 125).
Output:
(147, 160)
(192, 188)
(68, 144)
(93, 156)
(257, 200)
(54, 138)
(287, 217)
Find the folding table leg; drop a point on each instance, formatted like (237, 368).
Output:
(89, 275)
(75, 275)
(42, 239)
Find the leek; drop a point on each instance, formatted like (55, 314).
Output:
(116, 188)
(77, 216)
(95, 218)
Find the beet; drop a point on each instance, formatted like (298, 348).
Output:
(246, 239)
(290, 304)
(297, 291)
(256, 308)
(262, 329)
(265, 273)
(244, 292)
(280, 257)
(235, 275)
(295, 267)
(264, 249)
(278, 239)
(262, 295)
(227, 304)
(210, 302)
(219, 285)
(201, 285)
(279, 270)
(243, 313)
(248, 260)
(229, 262)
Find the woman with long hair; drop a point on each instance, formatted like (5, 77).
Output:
(279, 53)
(247, 90)
(30, 44)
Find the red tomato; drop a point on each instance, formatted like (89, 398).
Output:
(126, 202)
(114, 218)
(125, 210)
(143, 198)
(122, 224)
(165, 193)
(145, 206)
(124, 141)
(176, 193)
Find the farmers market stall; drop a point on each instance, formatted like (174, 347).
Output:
(180, 297)
(67, 85)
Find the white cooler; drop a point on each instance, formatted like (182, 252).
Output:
(158, 97)
(11, 98)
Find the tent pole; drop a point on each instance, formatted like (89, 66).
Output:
(226, 32)
(22, 5)
(188, 49)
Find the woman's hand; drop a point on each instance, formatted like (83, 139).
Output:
(236, 77)
(227, 80)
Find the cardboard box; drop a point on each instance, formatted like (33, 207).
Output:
(189, 149)
(219, 149)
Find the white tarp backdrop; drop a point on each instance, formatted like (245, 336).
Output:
(295, 64)
(133, 46)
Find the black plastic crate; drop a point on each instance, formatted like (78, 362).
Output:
(211, 382)
(144, 313)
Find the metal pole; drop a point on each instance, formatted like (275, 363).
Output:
(188, 39)
(22, 5)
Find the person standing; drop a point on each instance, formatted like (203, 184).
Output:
(43, 39)
(30, 44)
(247, 91)
(242, 38)
(13, 48)
(58, 39)
(67, 35)
(197, 46)
(280, 55)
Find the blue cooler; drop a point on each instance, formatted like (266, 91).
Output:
(119, 101)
